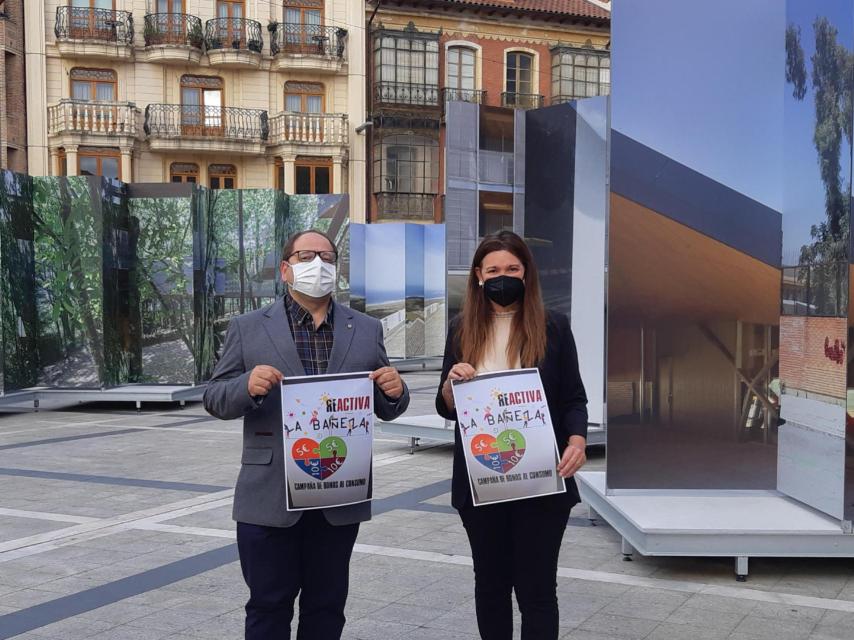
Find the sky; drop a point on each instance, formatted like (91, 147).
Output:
(385, 262)
(704, 83)
(701, 82)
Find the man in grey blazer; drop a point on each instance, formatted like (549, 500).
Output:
(285, 553)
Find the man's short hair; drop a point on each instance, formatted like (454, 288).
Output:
(288, 249)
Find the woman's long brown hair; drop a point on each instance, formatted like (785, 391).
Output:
(528, 332)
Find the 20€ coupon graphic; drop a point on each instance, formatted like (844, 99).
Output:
(328, 429)
(507, 434)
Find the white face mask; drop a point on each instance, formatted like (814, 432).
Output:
(315, 279)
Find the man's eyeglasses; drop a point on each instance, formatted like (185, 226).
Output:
(307, 256)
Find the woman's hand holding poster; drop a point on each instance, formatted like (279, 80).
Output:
(328, 430)
(507, 435)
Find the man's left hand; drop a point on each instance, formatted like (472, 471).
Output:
(389, 382)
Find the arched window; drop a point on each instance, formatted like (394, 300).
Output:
(184, 172)
(520, 82)
(461, 68)
(304, 97)
(520, 73)
(201, 105)
(93, 84)
(222, 176)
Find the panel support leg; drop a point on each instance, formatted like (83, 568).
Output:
(627, 550)
(182, 404)
(413, 442)
(592, 515)
(36, 404)
(138, 406)
(741, 568)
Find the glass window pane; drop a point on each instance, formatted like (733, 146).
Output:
(110, 167)
(81, 90)
(303, 179)
(322, 182)
(105, 91)
(88, 165)
(293, 103)
(215, 182)
(314, 104)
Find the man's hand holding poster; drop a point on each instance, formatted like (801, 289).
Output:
(507, 435)
(328, 428)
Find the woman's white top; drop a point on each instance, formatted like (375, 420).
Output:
(495, 357)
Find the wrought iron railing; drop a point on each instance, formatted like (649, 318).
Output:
(91, 117)
(406, 93)
(308, 39)
(85, 23)
(234, 33)
(521, 100)
(196, 121)
(173, 28)
(309, 128)
(463, 95)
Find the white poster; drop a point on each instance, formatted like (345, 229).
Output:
(328, 430)
(507, 434)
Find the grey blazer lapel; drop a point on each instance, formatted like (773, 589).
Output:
(276, 326)
(342, 336)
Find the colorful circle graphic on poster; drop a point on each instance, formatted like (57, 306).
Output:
(320, 460)
(500, 453)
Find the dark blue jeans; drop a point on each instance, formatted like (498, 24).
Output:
(312, 559)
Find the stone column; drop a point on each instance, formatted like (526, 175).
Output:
(71, 159)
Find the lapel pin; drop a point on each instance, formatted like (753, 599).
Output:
(349, 325)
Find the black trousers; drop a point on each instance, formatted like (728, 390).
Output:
(312, 559)
(515, 547)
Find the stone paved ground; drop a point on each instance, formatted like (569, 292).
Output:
(116, 525)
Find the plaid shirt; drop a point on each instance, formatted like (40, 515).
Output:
(314, 344)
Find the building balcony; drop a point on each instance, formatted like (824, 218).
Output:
(172, 38)
(521, 100)
(76, 122)
(405, 206)
(308, 47)
(95, 33)
(234, 43)
(406, 93)
(308, 132)
(175, 127)
(463, 95)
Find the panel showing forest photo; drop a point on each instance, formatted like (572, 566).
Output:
(69, 238)
(100, 289)
(164, 275)
(18, 353)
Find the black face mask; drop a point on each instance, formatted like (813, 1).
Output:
(504, 290)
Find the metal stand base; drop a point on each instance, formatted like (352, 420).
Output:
(735, 524)
(136, 393)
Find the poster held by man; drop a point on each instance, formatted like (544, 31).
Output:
(327, 429)
(508, 439)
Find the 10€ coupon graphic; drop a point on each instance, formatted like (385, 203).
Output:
(327, 428)
(507, 434)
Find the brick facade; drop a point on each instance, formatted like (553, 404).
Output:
(13, 128)
(813, 353)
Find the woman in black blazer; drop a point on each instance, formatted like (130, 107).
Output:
(515, 545)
